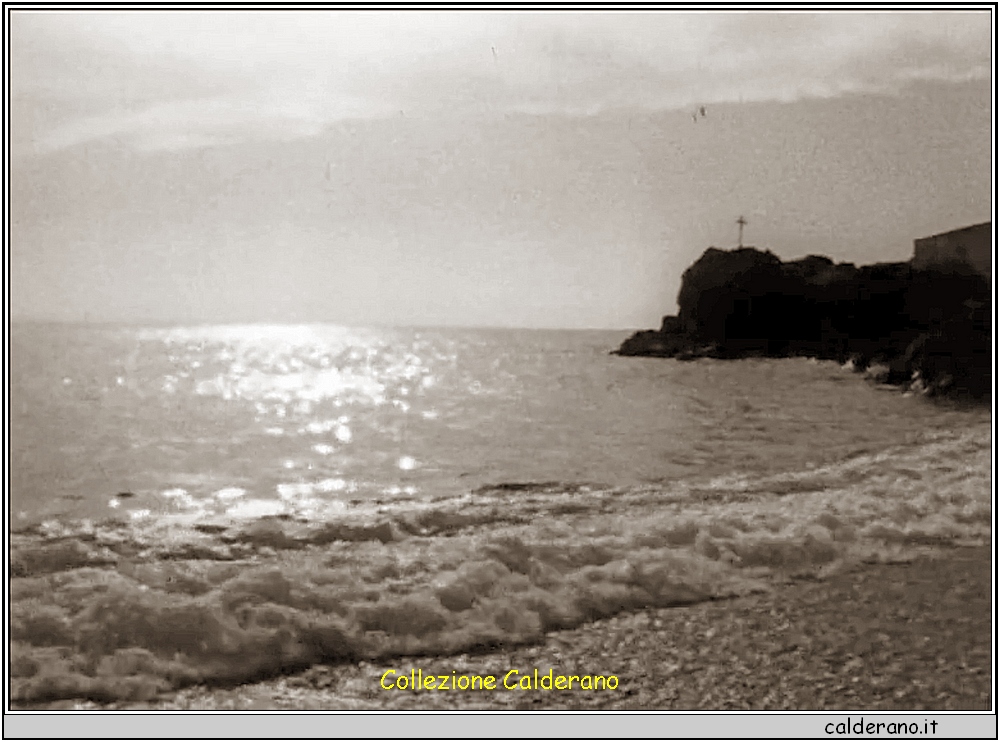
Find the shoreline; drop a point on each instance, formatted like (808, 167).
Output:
(899, 636)
(154, 616)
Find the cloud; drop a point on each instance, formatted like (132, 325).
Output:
(188, 123)
(177, 79)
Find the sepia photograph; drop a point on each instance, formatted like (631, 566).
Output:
(501, 359)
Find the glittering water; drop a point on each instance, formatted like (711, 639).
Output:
(211, 504)
(245, 421)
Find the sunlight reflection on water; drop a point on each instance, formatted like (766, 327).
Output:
(176, 416)
(306, 376)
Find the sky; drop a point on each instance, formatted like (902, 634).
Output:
(516, 169)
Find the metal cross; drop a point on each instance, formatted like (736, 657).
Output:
(742, 222)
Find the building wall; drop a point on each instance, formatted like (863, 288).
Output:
(972, 245)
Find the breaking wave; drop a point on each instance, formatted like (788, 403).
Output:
(126, 610)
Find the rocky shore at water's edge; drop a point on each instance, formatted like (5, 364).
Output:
(922, 328)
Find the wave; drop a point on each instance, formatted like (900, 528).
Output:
(114, 611)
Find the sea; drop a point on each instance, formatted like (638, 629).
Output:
(215, 505)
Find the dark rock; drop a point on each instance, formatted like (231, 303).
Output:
(929, 325)
(653, 343)
(671, 325)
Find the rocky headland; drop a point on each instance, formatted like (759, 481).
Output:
(923, 328)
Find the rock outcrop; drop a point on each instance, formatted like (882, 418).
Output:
(930, 327)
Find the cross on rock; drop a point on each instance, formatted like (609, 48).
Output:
(742, 222)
